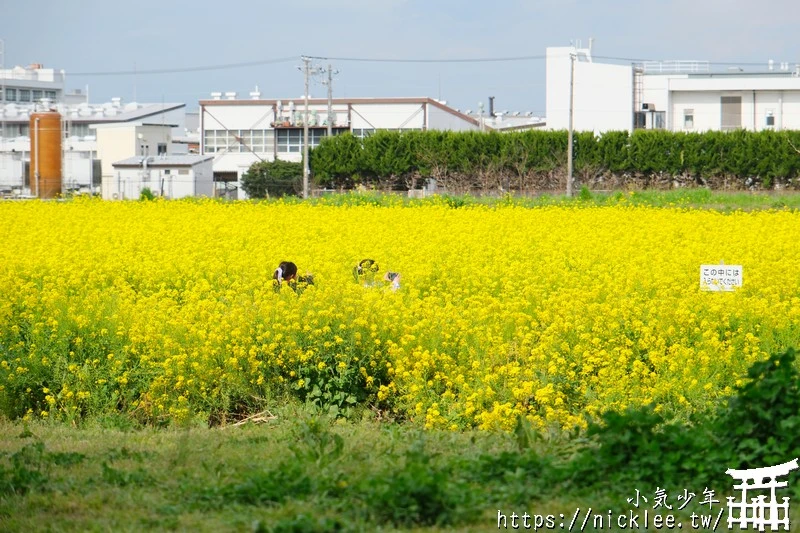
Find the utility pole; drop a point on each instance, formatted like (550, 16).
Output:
(329, 82)
(571, 117)
(307, 70)
(330, 100)
(3, 98)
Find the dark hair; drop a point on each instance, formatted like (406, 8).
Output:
(285, 271)
(367, 264)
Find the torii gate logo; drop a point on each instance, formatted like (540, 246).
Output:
(758, 511)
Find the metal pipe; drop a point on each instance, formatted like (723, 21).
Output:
(571, 120)
(36, 163)
(330, 100)
(307, 61)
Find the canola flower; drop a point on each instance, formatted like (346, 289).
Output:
(165, 311)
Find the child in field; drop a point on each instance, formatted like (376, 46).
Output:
(364, 273)
(287, 271)
(365, 270)
(393, 278)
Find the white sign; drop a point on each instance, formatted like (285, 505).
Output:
(720, 277)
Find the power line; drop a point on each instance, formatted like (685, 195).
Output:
(719, 63)
(187, 69)
(202, 68)
(420, 60)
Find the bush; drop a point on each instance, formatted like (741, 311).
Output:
(462, 161)
(146, 194)
(759, 427)
(273, 178)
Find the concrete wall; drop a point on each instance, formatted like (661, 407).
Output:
(237, 117)
(783, 106)
(603, 94)
(204, 178)
(439, 119)
(387, 116)
(12, 169)
(116, 142)
(173, 182)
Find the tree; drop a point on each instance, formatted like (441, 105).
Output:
(273, 178)
(337, 161)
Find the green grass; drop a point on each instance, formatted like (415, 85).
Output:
(695, 198)
(298, 472)
(699, 198)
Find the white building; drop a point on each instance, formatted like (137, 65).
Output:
(120, 140)
(674, 95)
(240, 132)
(176, 176)
(602, 93)
(31, 84)
(82, 165)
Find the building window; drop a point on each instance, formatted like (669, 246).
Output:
(16, 130)
(290, 141)
(238, 141)
(162, 149)
(50, 94)
(24, 95)
(770, 118)
(37, 95)
(688, 119)
(731, 107)
(11, 95)
(215, 140)
(639, 120)
(78, 130)
(363, 132)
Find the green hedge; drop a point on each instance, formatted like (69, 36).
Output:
(534, 159)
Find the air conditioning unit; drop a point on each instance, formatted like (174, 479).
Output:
(648, 107)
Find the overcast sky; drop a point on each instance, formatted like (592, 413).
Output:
(90, 36)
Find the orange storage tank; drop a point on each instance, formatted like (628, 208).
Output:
(45, 167)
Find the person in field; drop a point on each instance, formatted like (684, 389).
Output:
(393, 278)
(364, 273)
(287, 271)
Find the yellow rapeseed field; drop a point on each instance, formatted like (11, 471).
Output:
(166, 311)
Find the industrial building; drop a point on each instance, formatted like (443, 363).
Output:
(32, 90)
(240, 132)
(34, 83)
(687, 96)
(168, 176)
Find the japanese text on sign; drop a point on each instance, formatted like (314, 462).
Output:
(720, 277)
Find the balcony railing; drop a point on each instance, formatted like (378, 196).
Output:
(45, 76)
(675, 66)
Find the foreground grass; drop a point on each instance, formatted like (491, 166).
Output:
(298, 472)
(698, 198)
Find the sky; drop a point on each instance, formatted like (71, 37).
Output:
(91, 40)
